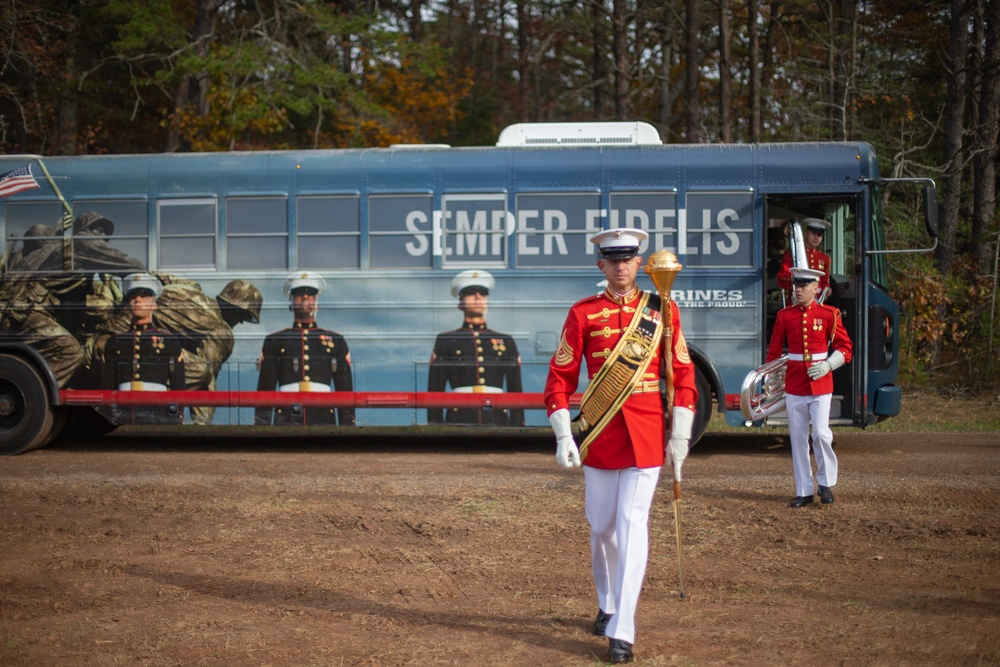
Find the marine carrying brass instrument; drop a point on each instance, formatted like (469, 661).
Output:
(763, 391)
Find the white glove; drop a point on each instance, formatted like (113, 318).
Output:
(567, 454)
(821, 368)
(680, 435)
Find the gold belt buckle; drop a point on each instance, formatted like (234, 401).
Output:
(478, 389)
(305, 386)
(136, 385)
(807, 356)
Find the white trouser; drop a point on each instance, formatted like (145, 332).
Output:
(617, 504)
(800, 410)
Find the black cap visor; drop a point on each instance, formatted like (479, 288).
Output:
(620, 252)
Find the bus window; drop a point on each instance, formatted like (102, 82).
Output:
(29, 228)
(187, 233)
(400, 231)
(328, 232)
(257, 233)
(879, 273)
(655, 212)
(474, 230)
(719, 229)
(552, 229)
(128, 233)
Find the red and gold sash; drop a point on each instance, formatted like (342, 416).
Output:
(614, 381)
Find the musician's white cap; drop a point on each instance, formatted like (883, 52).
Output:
(303, 280)
(819, 224)
(142, 282)
(622, 243)
(471, 279)
(801, 276)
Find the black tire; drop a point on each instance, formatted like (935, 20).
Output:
(26, 417)
(60, 421)
(703, 408)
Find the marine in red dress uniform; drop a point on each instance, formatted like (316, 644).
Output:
(817, 344)
(815, 228)
(622, 464)
(636, 436)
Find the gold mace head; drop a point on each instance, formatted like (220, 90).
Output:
(663, 267)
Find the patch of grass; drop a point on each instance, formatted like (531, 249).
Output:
(922, 412)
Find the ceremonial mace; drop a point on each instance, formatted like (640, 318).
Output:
(663, 268)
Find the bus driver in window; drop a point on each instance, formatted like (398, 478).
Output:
(304, 357)
(474, 358)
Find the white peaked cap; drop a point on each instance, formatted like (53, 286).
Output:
(143, 281)
(621, 243)
(816, 223)
(471, 278)
(303, 279)
(799, 273)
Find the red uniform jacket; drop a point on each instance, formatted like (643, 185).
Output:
(808, 330)
(636, 436)
(817, 260)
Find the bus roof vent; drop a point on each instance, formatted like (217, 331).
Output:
(579, 134)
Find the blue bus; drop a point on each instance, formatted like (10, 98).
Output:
(388, 230)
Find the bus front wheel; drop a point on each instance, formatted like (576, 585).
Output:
(703, 408)
(25, 414)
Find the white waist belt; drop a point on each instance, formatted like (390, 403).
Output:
(304, 386)
(819, 356)
(478, 389)
(141, 386)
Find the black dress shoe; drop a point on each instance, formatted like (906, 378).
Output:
(601, 623)
(825, 495)
(800, 501)
(621, 651)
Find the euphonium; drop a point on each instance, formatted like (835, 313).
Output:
(763, 391)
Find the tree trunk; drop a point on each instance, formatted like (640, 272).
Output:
(986, 154)
(753, 64)
(623, 100)
(774, 29)
(954, 128)
(693, 122)
(67, 132)
(523, 63)
(668, 89)
(599, 64)
(725, 75)
(188, 95)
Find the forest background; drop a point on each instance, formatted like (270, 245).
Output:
(920, 80)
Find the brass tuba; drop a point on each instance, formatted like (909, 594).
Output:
(763, 391)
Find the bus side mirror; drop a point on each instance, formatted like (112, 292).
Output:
(928, 203)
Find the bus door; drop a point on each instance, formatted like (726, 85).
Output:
(842, 243)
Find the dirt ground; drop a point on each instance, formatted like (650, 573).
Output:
(233, 550)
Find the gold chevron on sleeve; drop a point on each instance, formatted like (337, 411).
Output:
(564, 355)
(681, 349)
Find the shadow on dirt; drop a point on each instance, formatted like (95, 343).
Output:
(464, 440)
